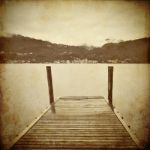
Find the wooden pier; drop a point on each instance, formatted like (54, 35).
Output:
(78, 123)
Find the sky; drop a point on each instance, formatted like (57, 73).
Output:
(76, 22)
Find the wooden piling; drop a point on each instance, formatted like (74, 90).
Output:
(50, 86)
(110, 85)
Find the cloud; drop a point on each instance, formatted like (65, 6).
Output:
(77, 22)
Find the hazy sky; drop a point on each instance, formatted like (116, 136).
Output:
(76, 22)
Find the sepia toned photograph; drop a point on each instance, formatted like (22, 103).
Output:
(75, 74)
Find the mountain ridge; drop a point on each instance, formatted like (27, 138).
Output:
(21, 49)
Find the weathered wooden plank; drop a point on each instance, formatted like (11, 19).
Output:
(80, 97)
(104, 122)
(72, 148)
(45, 136)
(75, 145)
(100, 139)
(62, 146)
(119, 133)
(79, 126)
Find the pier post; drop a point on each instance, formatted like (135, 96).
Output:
(50, 86)
(110, 86)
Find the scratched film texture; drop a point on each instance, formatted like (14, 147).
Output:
(83, 26)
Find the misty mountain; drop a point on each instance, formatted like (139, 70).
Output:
(20, 49)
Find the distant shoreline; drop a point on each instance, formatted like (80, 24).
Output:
(20, 49)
